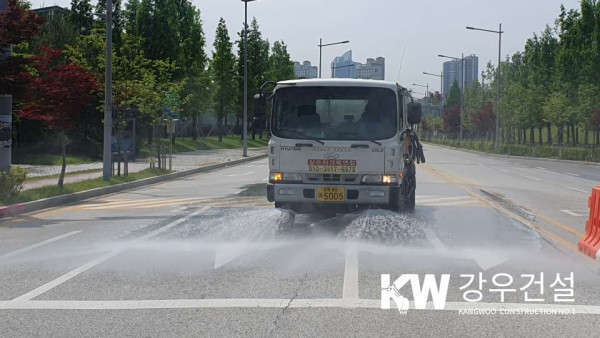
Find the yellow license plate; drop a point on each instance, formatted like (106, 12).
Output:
(331, 194)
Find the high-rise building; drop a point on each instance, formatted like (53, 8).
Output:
(453, 72)
(306, 70)
(344, 67)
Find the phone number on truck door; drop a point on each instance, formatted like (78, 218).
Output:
(332, 166)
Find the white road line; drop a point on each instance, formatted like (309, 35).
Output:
(130, 202)
(575, 213)
(448, 204)
(350, 289)
(571, 174)
(442, 199)
(541, 168)
(533, 178)
(578, 190)
(274, 303)
(236, 175)
(73, 273)
(146, 204)
(37, 245)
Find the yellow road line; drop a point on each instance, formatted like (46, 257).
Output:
(557, 238)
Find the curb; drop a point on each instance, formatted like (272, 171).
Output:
(50, 202)
(545, 159)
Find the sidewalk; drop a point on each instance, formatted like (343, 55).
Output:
(181, 162)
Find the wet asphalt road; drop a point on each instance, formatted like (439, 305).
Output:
(208, 256)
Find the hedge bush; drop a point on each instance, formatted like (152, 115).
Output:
(11, 183)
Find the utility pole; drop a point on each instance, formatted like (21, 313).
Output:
(107, 149)
(321, 45)
(5, 111)
(499, 32)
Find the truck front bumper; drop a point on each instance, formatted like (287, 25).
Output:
(355, 194)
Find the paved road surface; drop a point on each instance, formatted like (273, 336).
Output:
(208, 255)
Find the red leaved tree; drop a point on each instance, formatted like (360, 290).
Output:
(452, 119)
(56, 95)
(16, 25)
(485, 118)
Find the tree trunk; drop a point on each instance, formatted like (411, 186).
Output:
(575, 135)
(560, 134)
(549, 137)
(63, 152)
(568, 134)
(220, 127)
(519, 136)
(540, 135)
(586, 134)
(531, 135)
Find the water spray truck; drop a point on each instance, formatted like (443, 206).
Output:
(340, 145)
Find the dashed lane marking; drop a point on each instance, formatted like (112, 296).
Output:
(575, 213)
(578, 190)
(350, 288)
(74, 273)
(572, 174)
(37, 245)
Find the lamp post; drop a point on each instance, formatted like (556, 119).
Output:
(321, 45)
(107, 146)
(462, 91)
(245, 120)
(499, 32)
(441, 76)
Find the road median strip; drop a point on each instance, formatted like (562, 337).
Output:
(50, 202)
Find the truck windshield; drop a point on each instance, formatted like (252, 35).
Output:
(335, 113)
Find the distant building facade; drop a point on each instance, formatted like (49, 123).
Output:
(50, 11)
(344, 67)
(453, 72)
(306, 70)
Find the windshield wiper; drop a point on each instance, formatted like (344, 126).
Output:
(353, 134)
(303, 135)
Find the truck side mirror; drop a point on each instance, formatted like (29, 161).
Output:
(260, 105)
(415, 112)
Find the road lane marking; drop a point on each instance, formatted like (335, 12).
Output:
(533, 178)
(275, 303)
(575, 213)
(350, 288)
(541, 168)
(74, 273)
(446, 177)
(440, 199)
(37, 245)
(484, 260)
(237, 175)
(578, 190)
(571, 174)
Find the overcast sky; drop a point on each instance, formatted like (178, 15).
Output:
(385, 28)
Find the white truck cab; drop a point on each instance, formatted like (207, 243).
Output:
(342, 144)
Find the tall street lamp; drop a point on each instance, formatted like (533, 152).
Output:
(441, 76)
(499, 32)
(245, 120)
(107, 146)
(462, 91)
(321, 45)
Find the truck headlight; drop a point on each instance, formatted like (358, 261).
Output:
(380, 179)
(390, 179)
(285, 178)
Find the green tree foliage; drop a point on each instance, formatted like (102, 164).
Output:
(258, 64)
(281, 67)
(222, 70)
(81, 15)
